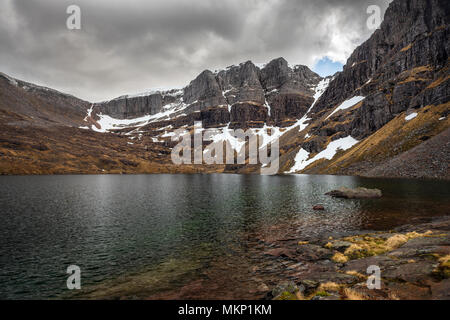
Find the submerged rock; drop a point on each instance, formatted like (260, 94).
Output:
(318, 207)
(357, 193)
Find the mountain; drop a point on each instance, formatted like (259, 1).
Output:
(385, 114)
(242, 96)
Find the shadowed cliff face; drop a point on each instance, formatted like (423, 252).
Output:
(395, 67)
(391, 97)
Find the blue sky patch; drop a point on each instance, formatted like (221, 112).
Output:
(325, 67)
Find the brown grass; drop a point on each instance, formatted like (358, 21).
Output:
(406, 48)
(396, 137)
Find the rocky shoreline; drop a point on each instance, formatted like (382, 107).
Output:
(414, 264)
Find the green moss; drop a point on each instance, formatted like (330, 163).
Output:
(322, 294)
(286, 296)
(367, 246)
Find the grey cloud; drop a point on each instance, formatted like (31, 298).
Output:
(130, 46)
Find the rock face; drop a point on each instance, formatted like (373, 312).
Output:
(402, 68)
(129, 107)
(395, 67)
(357, 193)
(244, 95)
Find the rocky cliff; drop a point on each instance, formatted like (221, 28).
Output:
(243, 95)
(402, 69)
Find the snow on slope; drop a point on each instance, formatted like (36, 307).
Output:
(224, 135)
(301, 159)
(411, 116)
(108, 123)
(10, 79)
(275, 132)
(347, 104)
(320, 89)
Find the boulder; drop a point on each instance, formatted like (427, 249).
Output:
(340, 246)
(357, 193)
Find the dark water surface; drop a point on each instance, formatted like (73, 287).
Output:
(141, 235)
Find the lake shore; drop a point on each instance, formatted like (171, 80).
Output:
(414, 264)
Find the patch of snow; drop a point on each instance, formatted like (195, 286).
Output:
(160, 90)
(168, 134)
(301, 159)
(320, 89)
(347, 104)
(11, 80)
(174, 92)
(164, 91)
(226, 91)
(224, 135)
(108, 123)
(411, 116)
(275, 133)
(266, 104)
(294, 66)
(89, 112)
(442, 118)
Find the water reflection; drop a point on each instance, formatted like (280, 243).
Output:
(114, 226)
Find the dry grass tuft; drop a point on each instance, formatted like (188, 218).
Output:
(329, 286)
(339, 258)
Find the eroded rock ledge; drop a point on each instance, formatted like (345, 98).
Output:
(414, 263)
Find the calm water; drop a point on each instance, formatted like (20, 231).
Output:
(147, 234)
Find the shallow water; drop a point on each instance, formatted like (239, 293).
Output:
(143, 235)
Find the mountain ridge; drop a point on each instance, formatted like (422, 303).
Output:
(392, 96)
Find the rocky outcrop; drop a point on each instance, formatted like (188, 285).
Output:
(248, 115)
(241, 84)
(357, 193)
(399, 61)
(403, 68)
(274, 94)
(204, 92)
(413, 262)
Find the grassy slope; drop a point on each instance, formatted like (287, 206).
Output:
(393, 139)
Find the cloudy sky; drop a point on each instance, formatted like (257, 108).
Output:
(130, 46)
